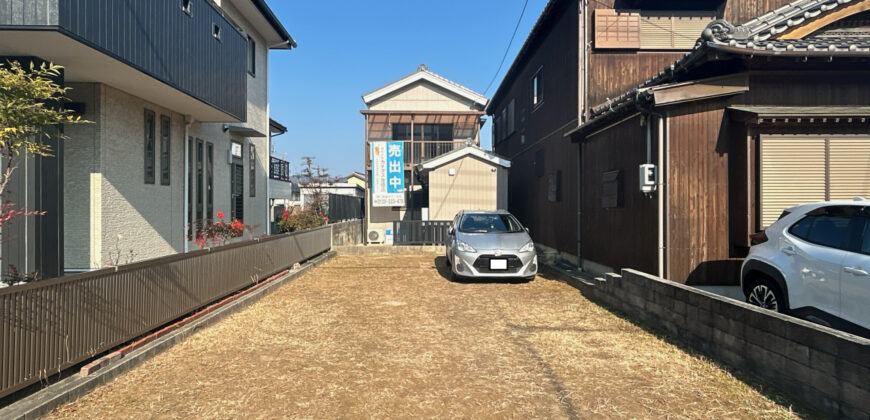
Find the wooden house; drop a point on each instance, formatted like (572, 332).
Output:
(764, 109)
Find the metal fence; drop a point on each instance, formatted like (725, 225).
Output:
(344, 207)
(54, 324)
(416, 232)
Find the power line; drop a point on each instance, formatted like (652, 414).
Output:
(508, 49)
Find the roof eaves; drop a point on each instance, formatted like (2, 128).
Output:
(275, 24)
(521, 55)
(423, 73)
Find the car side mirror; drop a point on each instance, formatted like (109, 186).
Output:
(450, 231)
(528, 231)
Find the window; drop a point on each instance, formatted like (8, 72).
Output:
(252, 56)
(149, 147)
(865, 244)
(538, 87)
(191, 221)
(495, 123)
(209, 181)
(185, 6)
(504, 124)
(216, 31)
(828, 226)
(511, 117)
(200, 187)
(488, 223)
(423, 132)
(650, 29)
(237, 188)
(611, 189)
(252, 168)
(165, 126)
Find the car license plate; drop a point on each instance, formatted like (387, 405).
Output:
(498, 264)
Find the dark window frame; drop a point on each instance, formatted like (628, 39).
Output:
(150, 151)
(538, 88)
(252, 169)
(252, 57)
(165, 150)
(200, 179)
(209, 182)
(191, 221)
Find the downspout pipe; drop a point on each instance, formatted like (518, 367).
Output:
(661, 164)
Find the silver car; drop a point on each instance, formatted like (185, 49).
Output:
(490, 244)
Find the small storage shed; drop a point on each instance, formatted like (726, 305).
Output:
(469, 178)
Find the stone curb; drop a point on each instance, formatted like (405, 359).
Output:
(44, 401)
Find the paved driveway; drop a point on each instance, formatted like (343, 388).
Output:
(390, 336)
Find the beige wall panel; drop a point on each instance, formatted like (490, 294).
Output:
(474, 187)
(139, 221)
(422, 96)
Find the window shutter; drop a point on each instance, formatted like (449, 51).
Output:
(849, 168)
(615, 29)
(792, 173)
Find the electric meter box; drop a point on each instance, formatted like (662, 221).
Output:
(649, 178)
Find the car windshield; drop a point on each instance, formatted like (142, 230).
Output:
(489, 223)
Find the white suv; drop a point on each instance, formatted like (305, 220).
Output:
(814, 263)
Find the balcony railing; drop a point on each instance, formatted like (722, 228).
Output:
(417, 152)
(279, 169)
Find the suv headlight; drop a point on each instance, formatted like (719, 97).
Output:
(464, 247)
(529, 247)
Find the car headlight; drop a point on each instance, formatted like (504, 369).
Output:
(529, 247)
(464, 247)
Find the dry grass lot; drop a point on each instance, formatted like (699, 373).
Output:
(389, 336)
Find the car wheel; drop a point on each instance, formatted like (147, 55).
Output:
(766, 294)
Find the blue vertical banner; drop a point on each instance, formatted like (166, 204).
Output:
(388, 174)
(395, 167)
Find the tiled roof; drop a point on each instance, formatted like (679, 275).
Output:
(756, 37)
(775, 22)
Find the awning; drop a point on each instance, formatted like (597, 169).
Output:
(244, 131)
(838, 114)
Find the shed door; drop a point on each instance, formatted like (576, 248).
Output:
(804, 169)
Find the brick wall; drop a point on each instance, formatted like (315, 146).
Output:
(827, 370)
(347, 233)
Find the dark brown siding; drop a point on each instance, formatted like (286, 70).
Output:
(828, 88)
(553, 224)
(612, 74)
(699, 242)
(739, 12)
(618, 237)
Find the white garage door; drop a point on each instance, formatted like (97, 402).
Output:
(804, 169)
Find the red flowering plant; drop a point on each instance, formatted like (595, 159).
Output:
(212, 234)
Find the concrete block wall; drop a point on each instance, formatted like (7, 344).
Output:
(347, 233)
(827, 370)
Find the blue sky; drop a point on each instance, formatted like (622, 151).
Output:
(349, 48)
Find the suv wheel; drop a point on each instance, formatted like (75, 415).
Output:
(764, 293)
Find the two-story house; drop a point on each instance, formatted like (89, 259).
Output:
(426, 116)
(178, 95)
(736, 110)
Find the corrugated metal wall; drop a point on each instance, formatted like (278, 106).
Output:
(155, 37)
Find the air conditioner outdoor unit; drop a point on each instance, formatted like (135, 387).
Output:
(376, 236)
